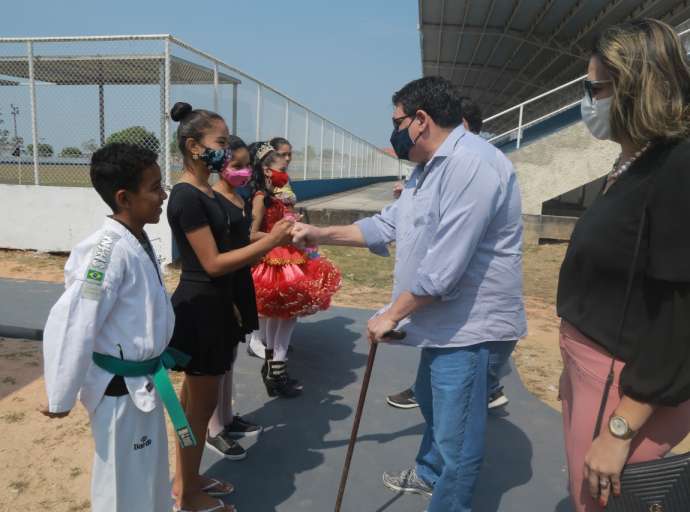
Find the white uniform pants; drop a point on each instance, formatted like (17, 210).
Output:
(130, 465)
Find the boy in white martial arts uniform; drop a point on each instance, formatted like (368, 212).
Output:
(106, 339)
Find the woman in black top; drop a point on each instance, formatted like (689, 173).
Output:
(637, 93)
(209, 319)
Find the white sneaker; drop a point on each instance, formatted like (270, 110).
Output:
(497, 399)
(256, 347)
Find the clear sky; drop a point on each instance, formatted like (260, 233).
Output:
(343, 59)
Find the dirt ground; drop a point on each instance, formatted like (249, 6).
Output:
(28, 483)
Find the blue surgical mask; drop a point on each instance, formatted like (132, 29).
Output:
(216, 159)
(596, 115)
(402, 142)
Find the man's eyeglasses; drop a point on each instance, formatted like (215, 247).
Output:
(398, 120)
(594, 87)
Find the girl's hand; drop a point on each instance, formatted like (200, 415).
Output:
(305, 235)
(603, 466)
(281, 234)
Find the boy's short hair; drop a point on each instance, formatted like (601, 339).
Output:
(118, 166)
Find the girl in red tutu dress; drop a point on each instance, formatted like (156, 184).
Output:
(289, 282)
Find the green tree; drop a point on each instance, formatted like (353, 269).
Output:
(43, 149)
(136, 135)
(71, 152)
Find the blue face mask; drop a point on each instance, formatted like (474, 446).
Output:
(402, 142)
(216, 159)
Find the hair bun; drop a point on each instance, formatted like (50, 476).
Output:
(180, 110)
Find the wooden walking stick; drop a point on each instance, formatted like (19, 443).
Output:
(398, 335)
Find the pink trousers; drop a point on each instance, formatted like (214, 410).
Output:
(585, 367)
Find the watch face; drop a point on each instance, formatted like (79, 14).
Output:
(618, 426)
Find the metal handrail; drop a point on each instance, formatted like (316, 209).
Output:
(521, 106)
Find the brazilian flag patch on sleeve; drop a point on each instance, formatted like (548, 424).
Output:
(95, 275)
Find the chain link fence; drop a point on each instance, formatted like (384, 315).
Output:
(63, 98)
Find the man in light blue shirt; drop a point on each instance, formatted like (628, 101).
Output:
(457, 289)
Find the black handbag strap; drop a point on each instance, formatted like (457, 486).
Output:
(626, 303)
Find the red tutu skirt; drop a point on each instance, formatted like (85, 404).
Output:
(291, 283)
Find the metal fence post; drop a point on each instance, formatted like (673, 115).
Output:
(215, 87)
(306, 143)
(519, 134)
(258, 112)
(34, 122)
(342, 156)
(287, 117)
(166, 115)
(333, 156)
(101, 114)
(357, 157)
(234, 109)
(321, 156)
(349, 158)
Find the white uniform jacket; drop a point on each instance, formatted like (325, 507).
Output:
(114, 303)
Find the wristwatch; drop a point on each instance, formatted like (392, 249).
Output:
(619, 428)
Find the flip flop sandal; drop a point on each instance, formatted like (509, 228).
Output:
(217, 483)
(209, 489)
(220, 506)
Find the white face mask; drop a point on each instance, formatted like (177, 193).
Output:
(596, 114)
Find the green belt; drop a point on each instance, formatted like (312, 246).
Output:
(157, 367)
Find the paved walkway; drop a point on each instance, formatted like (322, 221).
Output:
(372, 199)
(295, 466)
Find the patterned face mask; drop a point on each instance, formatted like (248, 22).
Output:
(216, 159)
(237, 177)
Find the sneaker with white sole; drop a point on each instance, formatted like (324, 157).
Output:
(226, 446)
(497, 399)
(242, 428)
(256, 347)
(403, 400)
(407, 481)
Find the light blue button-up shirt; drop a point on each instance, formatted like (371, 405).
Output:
(458, 232)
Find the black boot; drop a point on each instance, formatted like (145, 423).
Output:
(264, 371)
(277, 381)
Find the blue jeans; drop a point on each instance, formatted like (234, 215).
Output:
(452, 392)
(498, 363)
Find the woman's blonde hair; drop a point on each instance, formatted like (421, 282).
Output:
(651, 81)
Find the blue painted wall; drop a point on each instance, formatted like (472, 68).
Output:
(311, 189)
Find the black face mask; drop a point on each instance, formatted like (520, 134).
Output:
(402, 142)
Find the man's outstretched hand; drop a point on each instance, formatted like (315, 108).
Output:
(305, 235)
